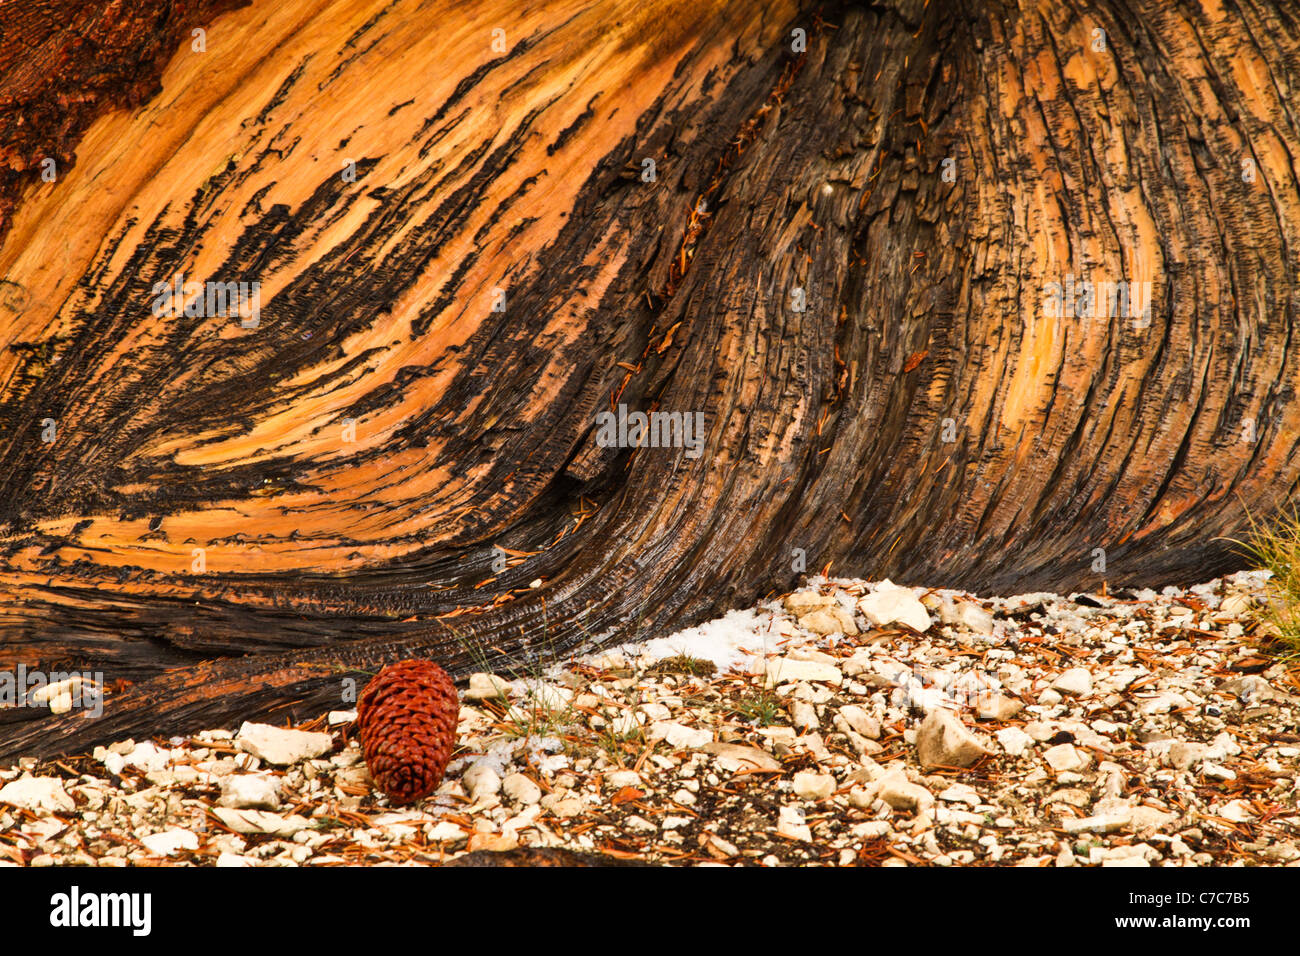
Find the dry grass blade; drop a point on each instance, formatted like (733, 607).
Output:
(1275, 547)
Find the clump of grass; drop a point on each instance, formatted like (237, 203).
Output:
(761, 706)
(1275, 547)
(529, 717)
(685, 664)
(532, 718)
(617, 746)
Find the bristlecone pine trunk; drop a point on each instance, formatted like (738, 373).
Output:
(832, 231)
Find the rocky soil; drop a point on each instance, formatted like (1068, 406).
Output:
(847, 724)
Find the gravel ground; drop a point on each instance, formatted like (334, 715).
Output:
(850, 723)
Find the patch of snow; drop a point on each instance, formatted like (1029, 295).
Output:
(738, 640)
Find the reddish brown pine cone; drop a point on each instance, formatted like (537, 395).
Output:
(407, 719)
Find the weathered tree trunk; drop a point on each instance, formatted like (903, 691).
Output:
(832, 231)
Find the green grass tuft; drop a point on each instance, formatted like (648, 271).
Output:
(1275, 547)
(761, 706)
(686, 665)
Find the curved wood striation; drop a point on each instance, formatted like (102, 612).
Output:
(841, 263)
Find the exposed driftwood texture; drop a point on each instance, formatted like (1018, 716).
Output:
(348, 466)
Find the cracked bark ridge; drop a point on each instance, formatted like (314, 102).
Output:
(231, 519)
